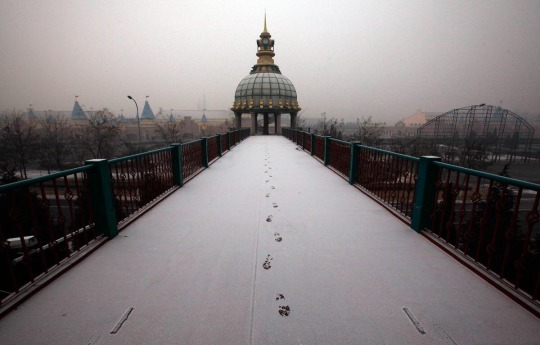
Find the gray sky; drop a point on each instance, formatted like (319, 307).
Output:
(346, 58)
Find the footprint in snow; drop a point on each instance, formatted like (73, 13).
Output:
(266, 264)
(284, 310)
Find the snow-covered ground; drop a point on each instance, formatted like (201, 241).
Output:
(268, 246)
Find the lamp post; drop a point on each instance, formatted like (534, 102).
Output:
(138, 121)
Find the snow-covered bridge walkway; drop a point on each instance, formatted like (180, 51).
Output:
(268, 246)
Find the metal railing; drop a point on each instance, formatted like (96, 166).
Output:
(47, 220)
(339, 156)
(389, 176)
(192, 158)
(492, 220)
(318, 147)
(43, 222)
(213, 147)
(488, 222)
(139, 179)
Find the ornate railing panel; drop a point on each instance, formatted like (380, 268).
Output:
(492, 220)
(43, 222)
(340, 156)
(213, 148)
(139, 179)
(224, 143)
(307, 142)
(391, 177)
(236, 137)
(191, 159)
(318, 149)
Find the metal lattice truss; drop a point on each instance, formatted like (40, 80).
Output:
(495, 131)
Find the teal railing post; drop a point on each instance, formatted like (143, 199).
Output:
(327, 150)
(178, 176)
(312, 138)
(228, 140)
(353, 170)
(425, 193)
(303, 140)
(101, 197)
(204, 144)
(219, 148)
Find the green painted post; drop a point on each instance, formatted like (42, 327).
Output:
(425, 193)
(353, 171)
(176, 152)
(303, 140)
(228, 140)
(219, 148)
(312, 138)
(101, 197)
(204, 143)
(327, 150)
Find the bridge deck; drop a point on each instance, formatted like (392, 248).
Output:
(192, 270)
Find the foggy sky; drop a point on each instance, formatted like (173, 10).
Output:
(347, 58)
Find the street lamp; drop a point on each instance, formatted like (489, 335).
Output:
(138, 121)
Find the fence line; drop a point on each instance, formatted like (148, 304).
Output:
(47, 220)
(488, 220)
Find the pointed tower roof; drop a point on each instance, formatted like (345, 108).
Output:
(77, 113)
(147, 112)
(265, 30)
(265, 53)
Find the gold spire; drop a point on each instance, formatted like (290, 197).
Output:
(265, 47)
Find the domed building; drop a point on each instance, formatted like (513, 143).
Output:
(265, 90)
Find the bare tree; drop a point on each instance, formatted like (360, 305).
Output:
(367, 132)
(56, 134)
(100, 137)
(332, 127)
(18, 139)
(170, 131)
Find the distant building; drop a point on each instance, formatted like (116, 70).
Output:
(147, 113)
(77, 113)
(419, 118)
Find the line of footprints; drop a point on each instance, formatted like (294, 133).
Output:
(283, 310)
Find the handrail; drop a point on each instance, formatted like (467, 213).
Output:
(494, 177)
(401, 155)
(24, 183)
(137, 155)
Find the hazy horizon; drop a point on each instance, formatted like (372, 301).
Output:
(350, 59)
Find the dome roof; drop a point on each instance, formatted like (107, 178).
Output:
(265, 91)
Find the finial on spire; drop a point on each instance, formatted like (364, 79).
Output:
(265, 30)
